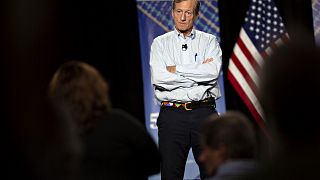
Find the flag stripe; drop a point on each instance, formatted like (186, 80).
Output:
(249, 56)
(279, 42)
(245, 63)
(273, 47)
(253, 50)
(250, 106)
(264, 55)
(247, 77)
(245, 100)
(285, 37)
(250, 95)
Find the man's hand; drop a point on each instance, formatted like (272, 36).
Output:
(171, 69)
(207, 60)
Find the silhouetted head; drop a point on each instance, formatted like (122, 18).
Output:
(230, 136)
(82, 89)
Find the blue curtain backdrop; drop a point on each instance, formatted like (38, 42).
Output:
(155, 19)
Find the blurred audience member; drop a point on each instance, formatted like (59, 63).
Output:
(116, 145)
(37, 144)
(229, 145)
(289, 94)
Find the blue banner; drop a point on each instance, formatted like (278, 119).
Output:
(316, 20)
(155, 19)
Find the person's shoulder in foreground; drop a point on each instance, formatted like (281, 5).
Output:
(133, 149)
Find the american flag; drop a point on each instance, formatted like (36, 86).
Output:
(262, 32)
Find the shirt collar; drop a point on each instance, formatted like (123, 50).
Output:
(191, 35)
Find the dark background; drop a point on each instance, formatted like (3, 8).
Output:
(37, 36)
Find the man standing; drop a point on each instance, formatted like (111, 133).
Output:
(185, 65)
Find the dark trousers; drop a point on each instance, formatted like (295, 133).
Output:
(178, 131)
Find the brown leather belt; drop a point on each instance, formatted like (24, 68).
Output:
(190, 105)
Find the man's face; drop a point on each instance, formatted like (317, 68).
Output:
(211, 159)
(184, 16)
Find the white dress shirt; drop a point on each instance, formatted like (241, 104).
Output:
(192, 79)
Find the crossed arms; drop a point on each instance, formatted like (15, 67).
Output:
(169, 75)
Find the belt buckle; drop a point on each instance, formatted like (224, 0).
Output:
(185, 106)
